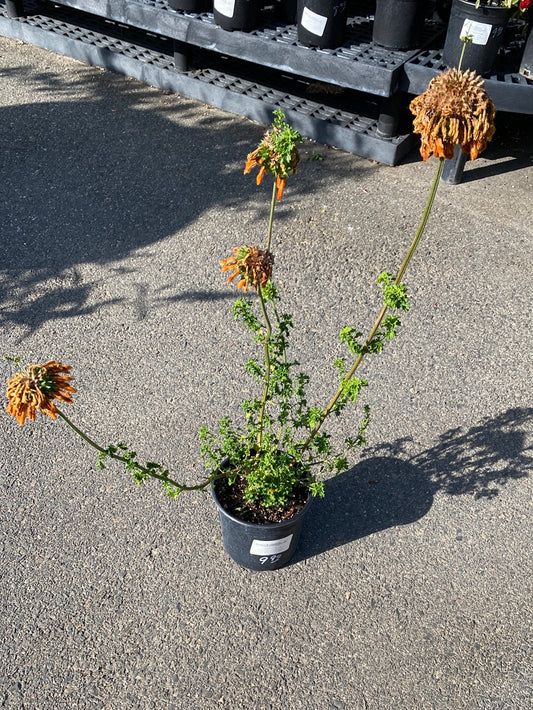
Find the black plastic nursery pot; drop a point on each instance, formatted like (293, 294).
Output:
(322, 23)
(526, 65)
(398, 24)
(193, 6)
(287, 10)
(485, 25)
(260, 547)
(243, 15)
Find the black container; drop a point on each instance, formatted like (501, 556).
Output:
(287, 10)
(398, 24)
(322, 23)
(243, 15)
(526, 65)
(260, 547)
(15, 8)
(486, 25)
(193, 6)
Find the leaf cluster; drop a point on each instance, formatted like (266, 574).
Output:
(274, 450)
(278, 151)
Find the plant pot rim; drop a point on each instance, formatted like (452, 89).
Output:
(481, 8)
(270, 526)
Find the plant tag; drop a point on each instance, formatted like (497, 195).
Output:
(316, 24)
(225, 7)
(270, 547)
(478, 31)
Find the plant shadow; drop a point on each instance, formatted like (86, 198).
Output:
(389, 489)
(95, 169)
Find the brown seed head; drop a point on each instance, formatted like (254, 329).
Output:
(454, 110)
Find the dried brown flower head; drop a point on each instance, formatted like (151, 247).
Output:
(454, 110)
(252, 265)
(34, 389)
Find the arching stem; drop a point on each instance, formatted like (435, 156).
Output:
(401, 271)
(148, 471)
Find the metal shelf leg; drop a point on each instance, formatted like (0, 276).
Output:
(15, 8)
(182, 53)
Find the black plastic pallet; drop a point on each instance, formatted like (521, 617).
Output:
(357, 64)
(347, 120)
(509, 90)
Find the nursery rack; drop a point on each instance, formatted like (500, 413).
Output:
(353, 97)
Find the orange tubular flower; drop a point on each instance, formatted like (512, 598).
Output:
(32, 391)
(455, 110)
(277, 153)
(252, 265)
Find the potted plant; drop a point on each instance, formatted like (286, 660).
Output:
(321, 23)
(243, 15)
(482, 23)
(398, 24)
(264, 470)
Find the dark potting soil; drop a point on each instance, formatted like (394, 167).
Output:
(231, 498)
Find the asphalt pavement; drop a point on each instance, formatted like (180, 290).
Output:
(411, 587)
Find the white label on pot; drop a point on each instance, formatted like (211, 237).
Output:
(479, 32)
(225, 7)
(270, 547)
(316, 24)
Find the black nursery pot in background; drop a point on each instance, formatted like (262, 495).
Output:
(240, 15)
(398, 24)
(260, 547)
(322, 23)
(287, 10)
(485, 25)
(191, 5)
(526, 65)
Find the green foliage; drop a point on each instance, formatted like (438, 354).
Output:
(394, 295)
(281, 445)
(15, 360)
(349, 336)
(139, 473)
(275, 448)
(285, 140)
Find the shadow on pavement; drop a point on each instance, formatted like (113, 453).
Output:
(101, 171)
(385, 490)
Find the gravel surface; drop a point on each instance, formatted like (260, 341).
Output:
(411, 587)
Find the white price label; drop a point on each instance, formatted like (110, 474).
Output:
(225, 7)
(314, 23)
(479, 32)
(270, 547)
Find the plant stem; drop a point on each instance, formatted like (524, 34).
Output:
(465, 41)
(148, 471)
(401, 271)
(268, 365)
(271, 217)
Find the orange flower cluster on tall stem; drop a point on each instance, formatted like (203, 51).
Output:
(254, 159)
(252, 265)
(277, 153)
(35, 389)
